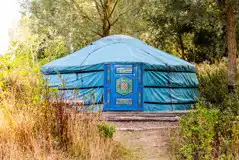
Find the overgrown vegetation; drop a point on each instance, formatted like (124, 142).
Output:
(212, 130)
(33, 127)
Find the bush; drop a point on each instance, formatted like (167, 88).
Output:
(211, 131)
(209, 134)
(106, 130)
(212, 81)
(197, 132)
(230, 103)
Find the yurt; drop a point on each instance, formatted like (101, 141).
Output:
(121, 73)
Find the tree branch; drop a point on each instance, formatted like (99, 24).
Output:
(113, 9)
(81, 12)
(116, 19)
(97, 7)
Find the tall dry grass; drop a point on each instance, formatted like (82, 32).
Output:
(33, 128)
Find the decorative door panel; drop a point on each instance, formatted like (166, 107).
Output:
(123, 87)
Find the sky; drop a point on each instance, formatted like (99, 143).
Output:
(9, 16)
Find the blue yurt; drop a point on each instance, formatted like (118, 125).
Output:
(121, 73)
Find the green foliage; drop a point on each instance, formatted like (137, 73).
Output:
(213, 87)
(197, 131)
(189, 29)
(106, 130)
(210, 77)
(82, 21)
(51, 50)
(231, 103)
(208, 134)
(212, 130)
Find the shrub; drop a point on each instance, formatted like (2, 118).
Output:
(106, 130)
(211, 131)
(230, 103)
(209, 134)
(212, 81)
(197, 133)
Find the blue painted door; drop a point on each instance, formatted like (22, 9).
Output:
(123, 87)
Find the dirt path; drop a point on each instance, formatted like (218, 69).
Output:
(147, 140)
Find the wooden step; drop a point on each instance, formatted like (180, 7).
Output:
(168, 119)
(143, 116)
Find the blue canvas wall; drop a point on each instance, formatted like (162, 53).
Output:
(165, 91)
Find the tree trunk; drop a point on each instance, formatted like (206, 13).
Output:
(180, 42)
(231, 45)
(107, 8)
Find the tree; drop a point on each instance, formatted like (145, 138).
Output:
(105, 11)
(174, 24)
(81, 21)
(228, 12)
(231, 44)
(195, 30)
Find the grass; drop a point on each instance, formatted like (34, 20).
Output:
(33, 128)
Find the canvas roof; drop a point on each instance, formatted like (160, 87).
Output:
(117, 49)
